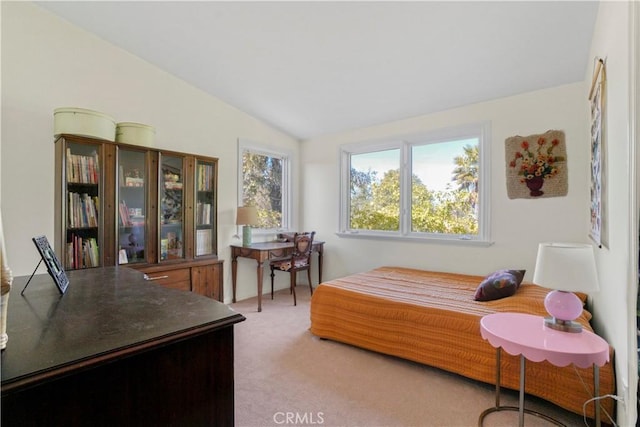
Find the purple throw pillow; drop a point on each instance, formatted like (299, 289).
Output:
(499, 284)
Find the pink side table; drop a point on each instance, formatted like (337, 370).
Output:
(525, 335)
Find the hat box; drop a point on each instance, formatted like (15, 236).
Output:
(135, 133)
(83, 122)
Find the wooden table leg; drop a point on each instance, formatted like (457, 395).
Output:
(320, 265)
(260, 272)
(234, 275)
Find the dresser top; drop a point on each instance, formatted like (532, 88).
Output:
(105, 313)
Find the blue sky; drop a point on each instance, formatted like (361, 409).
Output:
(433, 163)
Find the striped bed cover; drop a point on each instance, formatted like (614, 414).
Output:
(431, 318)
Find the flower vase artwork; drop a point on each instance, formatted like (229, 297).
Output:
(536, 165)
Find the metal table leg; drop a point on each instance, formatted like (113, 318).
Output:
(520, 408)
(596, 392)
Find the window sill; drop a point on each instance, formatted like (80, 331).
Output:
(418, 239)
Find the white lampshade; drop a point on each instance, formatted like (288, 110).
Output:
(247, 215)
(567, 267)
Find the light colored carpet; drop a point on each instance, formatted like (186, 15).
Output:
(285, 376)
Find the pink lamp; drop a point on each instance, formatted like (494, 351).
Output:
(565, 268)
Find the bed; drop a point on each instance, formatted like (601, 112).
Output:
(432, 318)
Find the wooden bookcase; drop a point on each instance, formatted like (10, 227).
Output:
(149, 209)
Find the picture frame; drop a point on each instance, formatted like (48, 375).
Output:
(54, 267)
(597, 97)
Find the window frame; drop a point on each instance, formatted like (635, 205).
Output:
(286, 157)
(405, 143)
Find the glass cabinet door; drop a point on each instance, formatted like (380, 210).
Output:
(131, 215)
(205, 220)
(171, 208)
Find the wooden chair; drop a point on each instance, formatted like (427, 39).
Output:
(298, 260)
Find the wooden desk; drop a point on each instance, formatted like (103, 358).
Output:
(262, 252)
(116, 350)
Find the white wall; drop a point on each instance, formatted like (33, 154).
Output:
(517, 225)
(48, 63)
(614, 307)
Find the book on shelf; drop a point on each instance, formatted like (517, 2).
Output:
(82, 169)
(91, 254)
(82, 210)
(82, 253)
(205, 177)
(204, 241)
(125, 220)
(203, 213)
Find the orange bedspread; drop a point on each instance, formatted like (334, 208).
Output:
(432, 318)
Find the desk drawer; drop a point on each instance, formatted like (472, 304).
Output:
(177, 279)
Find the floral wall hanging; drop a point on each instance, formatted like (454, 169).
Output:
(536, 165)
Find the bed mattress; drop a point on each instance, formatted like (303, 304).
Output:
(432, 318)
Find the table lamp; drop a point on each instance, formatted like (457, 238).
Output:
(247, 216)
(565, 268)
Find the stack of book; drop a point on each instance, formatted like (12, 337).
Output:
(125, 221)
(205, 177)
(204, 242)
(203, 213)
(82, 253)
(82, 169)
(83, 210)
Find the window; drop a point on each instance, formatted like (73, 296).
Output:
(264, 183)
(430, 186)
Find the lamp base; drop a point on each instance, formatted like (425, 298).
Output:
(246, 235)
(562, 325)
(563, 307)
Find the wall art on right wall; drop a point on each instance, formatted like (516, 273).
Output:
(597, 98)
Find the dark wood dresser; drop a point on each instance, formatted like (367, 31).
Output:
(116, 350)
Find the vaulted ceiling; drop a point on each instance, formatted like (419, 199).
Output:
(315, 68)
